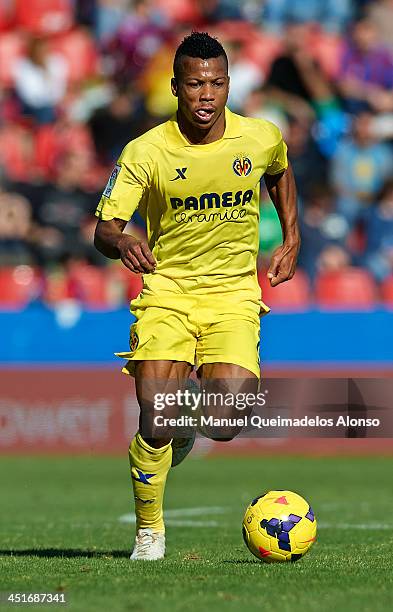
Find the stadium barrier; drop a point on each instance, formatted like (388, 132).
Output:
(94, 411)
(312, 339)
(61, 390)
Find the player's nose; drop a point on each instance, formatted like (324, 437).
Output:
(207, 93)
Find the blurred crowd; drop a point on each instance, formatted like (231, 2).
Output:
(80, 78)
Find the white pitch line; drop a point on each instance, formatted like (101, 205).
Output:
(174, 516)
(130, 519)
(198, 511)
(180, 523)
(371, 526)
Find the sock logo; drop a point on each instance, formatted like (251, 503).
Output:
(140, 476)
(144, 501)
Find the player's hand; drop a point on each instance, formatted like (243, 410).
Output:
(136, 255)
(283, 263)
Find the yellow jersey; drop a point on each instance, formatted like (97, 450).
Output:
(200, 202)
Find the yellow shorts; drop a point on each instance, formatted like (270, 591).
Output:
(197, 328)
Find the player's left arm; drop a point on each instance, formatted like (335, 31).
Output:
(282, 191)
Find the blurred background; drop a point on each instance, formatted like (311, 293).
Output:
(78, 80)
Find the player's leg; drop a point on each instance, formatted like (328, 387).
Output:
(183, 443)
(228, 359)
(222, 382)
(163, 334)
(150, 453)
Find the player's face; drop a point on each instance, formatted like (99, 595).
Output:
(202, 89)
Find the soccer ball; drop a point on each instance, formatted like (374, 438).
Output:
(279, 526)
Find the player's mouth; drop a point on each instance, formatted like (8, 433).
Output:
(205, 114)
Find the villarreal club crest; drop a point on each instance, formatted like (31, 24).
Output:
(242, 165)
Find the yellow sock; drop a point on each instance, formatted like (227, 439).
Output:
(149, 469)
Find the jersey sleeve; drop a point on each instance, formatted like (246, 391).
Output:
(126, 186)
(278, 155)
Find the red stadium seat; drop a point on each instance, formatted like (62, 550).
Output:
(44, 16)
(56, 287)
(179, 11)
(18, 287)
(79, 51)
(327, 50)
(123, 284)
(87, 284)
(262, 48)
(47, 149)
(6, 14)
(12, 48)
(53, 141)
(17, 152)
(387, 291)
(348, 289)
(293, 295)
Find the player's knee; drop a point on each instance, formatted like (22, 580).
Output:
(151, 430)
(223, 434)
(155, 432)
(157, 442)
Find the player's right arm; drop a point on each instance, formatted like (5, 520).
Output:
(110, 240)
(127, 185)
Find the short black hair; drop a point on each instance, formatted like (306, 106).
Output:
(198, 44)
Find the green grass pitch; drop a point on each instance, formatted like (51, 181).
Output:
(60, 530)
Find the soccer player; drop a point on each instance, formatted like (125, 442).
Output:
(196, 181)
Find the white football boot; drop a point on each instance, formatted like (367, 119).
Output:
(149, 545)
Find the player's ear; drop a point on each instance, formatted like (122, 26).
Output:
(174, 86)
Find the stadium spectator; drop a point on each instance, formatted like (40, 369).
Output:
(293, 73)
(245, 76)
(307, 162)
(40, 81)
(366, 74)
(321, 228)
(333, 258)
(215, 11)
(258, 104)
(333, 15)
(62, 209)
(137, 40)
(107, 17)
(378, 220)
(158, 100)
(380, 13)
(15, 229)
(116, 124)
(360, 166)
(86, 11)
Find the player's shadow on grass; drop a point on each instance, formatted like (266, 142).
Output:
(68, 553)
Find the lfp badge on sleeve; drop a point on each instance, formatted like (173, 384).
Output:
(112, 181)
